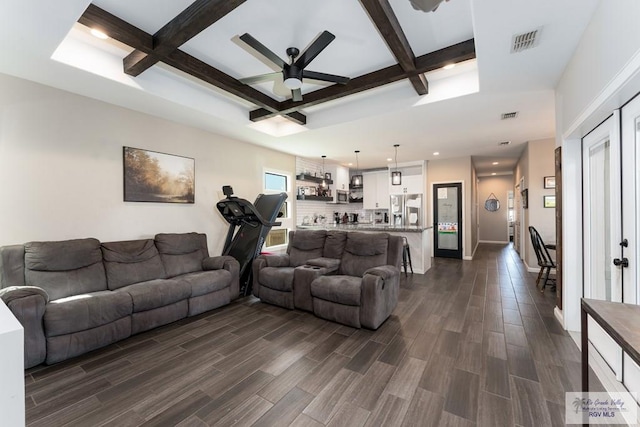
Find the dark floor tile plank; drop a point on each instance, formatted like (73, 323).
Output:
(326, 347)
(385, 333)
(494, 410)
(180, 410)
(315, 381)
(349, 415)
(288, 357)
(389, 413)
(470, 357)
(448, 343)
(246, 413)
(70, 414)
(494, 345)
(515, 335)
(566, 347)
(436, 375)
(192, 421)
(424, 410)
(328, 401)
(554, 382)
(286, 410)
(521, 363)
(496, 377)
(474, 332)
(303, 420)
(556, 413)
(529, 406)
(511, 316)
(127, 419)
(352, 345)
(396, 350)
(371, 385)
(406, 378)
(449, 420)
(289, 378)
(365, 357)
(462, 396)
(493, 322)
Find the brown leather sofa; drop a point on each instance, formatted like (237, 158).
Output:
(352, 278)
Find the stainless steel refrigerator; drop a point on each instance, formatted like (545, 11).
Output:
(406, 210)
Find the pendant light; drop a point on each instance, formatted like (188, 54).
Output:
(356, 180)
(396, 176)
(324, 175)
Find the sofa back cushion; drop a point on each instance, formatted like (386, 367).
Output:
(182, 253)
(132, 261)
(65, 268)
(304, 245)
(334, 244)
(364, 251)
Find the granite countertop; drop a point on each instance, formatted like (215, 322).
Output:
(365, 227)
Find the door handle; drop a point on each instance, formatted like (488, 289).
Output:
(624, 262)
(624, 243)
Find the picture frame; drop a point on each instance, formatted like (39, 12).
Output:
(549, 201)
(525, 198)
(549, 182)
(311, 191)
(327, 175)
(151, 176)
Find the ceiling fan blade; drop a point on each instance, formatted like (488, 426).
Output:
(297, 95)
(325, 77)
(263, 50)
(260, 78)
(314, 49)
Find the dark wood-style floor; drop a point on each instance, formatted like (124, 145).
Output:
(470, 343)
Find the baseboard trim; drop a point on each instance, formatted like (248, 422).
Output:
(494, 242)
(559, 315)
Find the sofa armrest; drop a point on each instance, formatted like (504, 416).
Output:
(227, 263)
(330, 264)
(27, 303)
(280, 260)
(383, 271)
(16, 292)
(379, 295)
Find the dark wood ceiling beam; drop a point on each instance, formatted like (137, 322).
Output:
(386, 21)
(116, 28)
(189, 23)
(262, 114)
(431, 61)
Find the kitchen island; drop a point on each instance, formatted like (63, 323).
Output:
(418, 238)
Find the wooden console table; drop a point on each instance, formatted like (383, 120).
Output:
(620, 321)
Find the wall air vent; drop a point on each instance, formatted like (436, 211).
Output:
(525, 41)
(504, 143)
(511, 115)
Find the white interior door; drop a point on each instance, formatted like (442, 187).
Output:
(630, 201)
(602, 228)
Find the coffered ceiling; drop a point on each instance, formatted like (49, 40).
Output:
(183, 59)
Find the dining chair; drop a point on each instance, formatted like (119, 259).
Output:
(545, 261)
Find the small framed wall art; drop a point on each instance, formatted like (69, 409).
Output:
(549, 182)
(525, 198)
(549, 201)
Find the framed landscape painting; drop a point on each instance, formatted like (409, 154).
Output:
(150, 176)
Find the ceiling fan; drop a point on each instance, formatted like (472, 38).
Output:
(294, 71)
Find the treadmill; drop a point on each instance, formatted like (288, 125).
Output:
(254, 222)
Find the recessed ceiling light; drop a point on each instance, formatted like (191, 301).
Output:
(495, 163)
(350, 164)
(99, 34)
(493, 173)
(389, 159)
(435, 153)
(449, 66)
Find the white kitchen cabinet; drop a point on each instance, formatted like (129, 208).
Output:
(375, 186)
(341, 178)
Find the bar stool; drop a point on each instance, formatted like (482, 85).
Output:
(406, 254)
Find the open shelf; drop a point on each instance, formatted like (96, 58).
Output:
(311, 178)
(315, 198)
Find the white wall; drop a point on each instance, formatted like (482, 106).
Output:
(61, 169)
(602, 75)
(493, 225)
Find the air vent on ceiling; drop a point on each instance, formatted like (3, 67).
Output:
(504, 143)
(525, 41)
(511, 115)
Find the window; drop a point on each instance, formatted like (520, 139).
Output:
(278, 182)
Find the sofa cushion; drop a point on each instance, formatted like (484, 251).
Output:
(363, 251)
(86, 311)
(304, 245)
(334, 244)
(156, 293)
(278, 278)
(182, 253)
(132, 261)
(65, 268)
(339, 289)
(204, 282)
